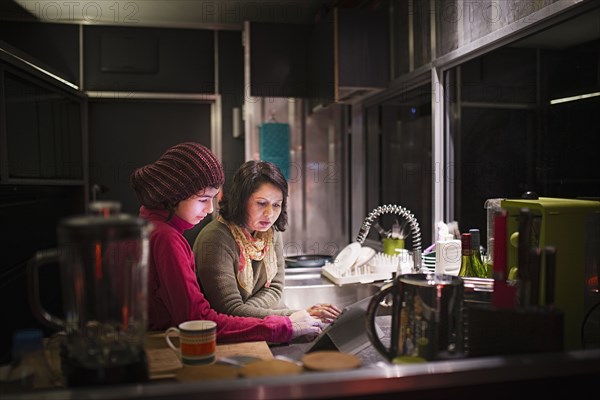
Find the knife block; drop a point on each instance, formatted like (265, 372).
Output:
(493, 331)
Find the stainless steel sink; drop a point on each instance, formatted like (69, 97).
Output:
(305, 287)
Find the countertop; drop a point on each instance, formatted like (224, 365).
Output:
(488, 377)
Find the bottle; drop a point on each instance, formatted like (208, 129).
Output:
(466, 262)
(489, 258)
(30, 368)
(478, 265)
(447, 253)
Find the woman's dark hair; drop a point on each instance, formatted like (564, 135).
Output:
(247, 180)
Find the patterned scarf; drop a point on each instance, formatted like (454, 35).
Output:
(255, 247)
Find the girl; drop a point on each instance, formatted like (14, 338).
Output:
(176, 193)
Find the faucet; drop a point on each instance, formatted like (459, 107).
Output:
(410, 218)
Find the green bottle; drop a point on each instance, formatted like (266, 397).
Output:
(478, 265)
(466, 261)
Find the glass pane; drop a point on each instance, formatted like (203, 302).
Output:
(22, 127)
(43, 131)
(508, 133)
(494, 154)
(568, 149)
(405, 164)
(324, 180)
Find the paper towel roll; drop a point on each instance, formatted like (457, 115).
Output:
(447, 257)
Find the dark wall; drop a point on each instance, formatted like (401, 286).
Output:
(125, 135)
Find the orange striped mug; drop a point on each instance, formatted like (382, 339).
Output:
(197, 341)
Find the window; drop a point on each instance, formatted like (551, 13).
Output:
(43, 131)
(399, 159)
(510, 138)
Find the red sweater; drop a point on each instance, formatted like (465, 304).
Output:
(174, 295)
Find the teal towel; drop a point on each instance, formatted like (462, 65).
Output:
(274, 142)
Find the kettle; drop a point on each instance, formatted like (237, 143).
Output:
(427, 318)
(103, 262)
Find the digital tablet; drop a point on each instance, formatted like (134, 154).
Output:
(347, 333)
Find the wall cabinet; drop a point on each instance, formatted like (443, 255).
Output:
(349, 54)
(42, 180)
(343, 55)
(124, 59)
(54, 47)
(278, 59)
(42, 131)
(361, 58)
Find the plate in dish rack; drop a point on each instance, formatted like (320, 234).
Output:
(365, 254)
(347, 257)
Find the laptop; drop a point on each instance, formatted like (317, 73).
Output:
(347, 333)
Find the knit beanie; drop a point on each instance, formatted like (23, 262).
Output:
(181, 172)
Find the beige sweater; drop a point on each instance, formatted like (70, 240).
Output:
(217, 259)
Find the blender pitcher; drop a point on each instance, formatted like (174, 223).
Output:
(103, 265)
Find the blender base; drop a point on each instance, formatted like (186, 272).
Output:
(75, 374)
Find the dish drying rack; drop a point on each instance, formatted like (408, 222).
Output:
(376, 268)
(380, 267)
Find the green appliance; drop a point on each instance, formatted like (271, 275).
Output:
(572, 226)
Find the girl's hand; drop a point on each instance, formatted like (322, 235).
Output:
(325, 312)
(304, 326)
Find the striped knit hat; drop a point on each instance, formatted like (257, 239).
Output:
(181, 172)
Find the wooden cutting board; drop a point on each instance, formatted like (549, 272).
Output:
(164, 362)
(329, 360)
(254, 349)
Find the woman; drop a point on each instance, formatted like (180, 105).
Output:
(176, 193)
(240, 254)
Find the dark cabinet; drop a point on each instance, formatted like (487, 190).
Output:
(363, 51)
(42, 180)
(126, 60)
(278, 59)
(43, 131)
(53, 47)
(343, 55)
(350, 53)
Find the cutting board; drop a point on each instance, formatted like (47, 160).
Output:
(164, 362)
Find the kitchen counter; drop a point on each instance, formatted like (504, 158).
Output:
(498, 377)
(488, 377)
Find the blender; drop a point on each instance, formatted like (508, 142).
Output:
(103, 263)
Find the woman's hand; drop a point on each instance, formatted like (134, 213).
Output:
(305, 326)
(324, 312)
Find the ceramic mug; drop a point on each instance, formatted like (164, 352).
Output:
(197, 341)
(427, 318)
